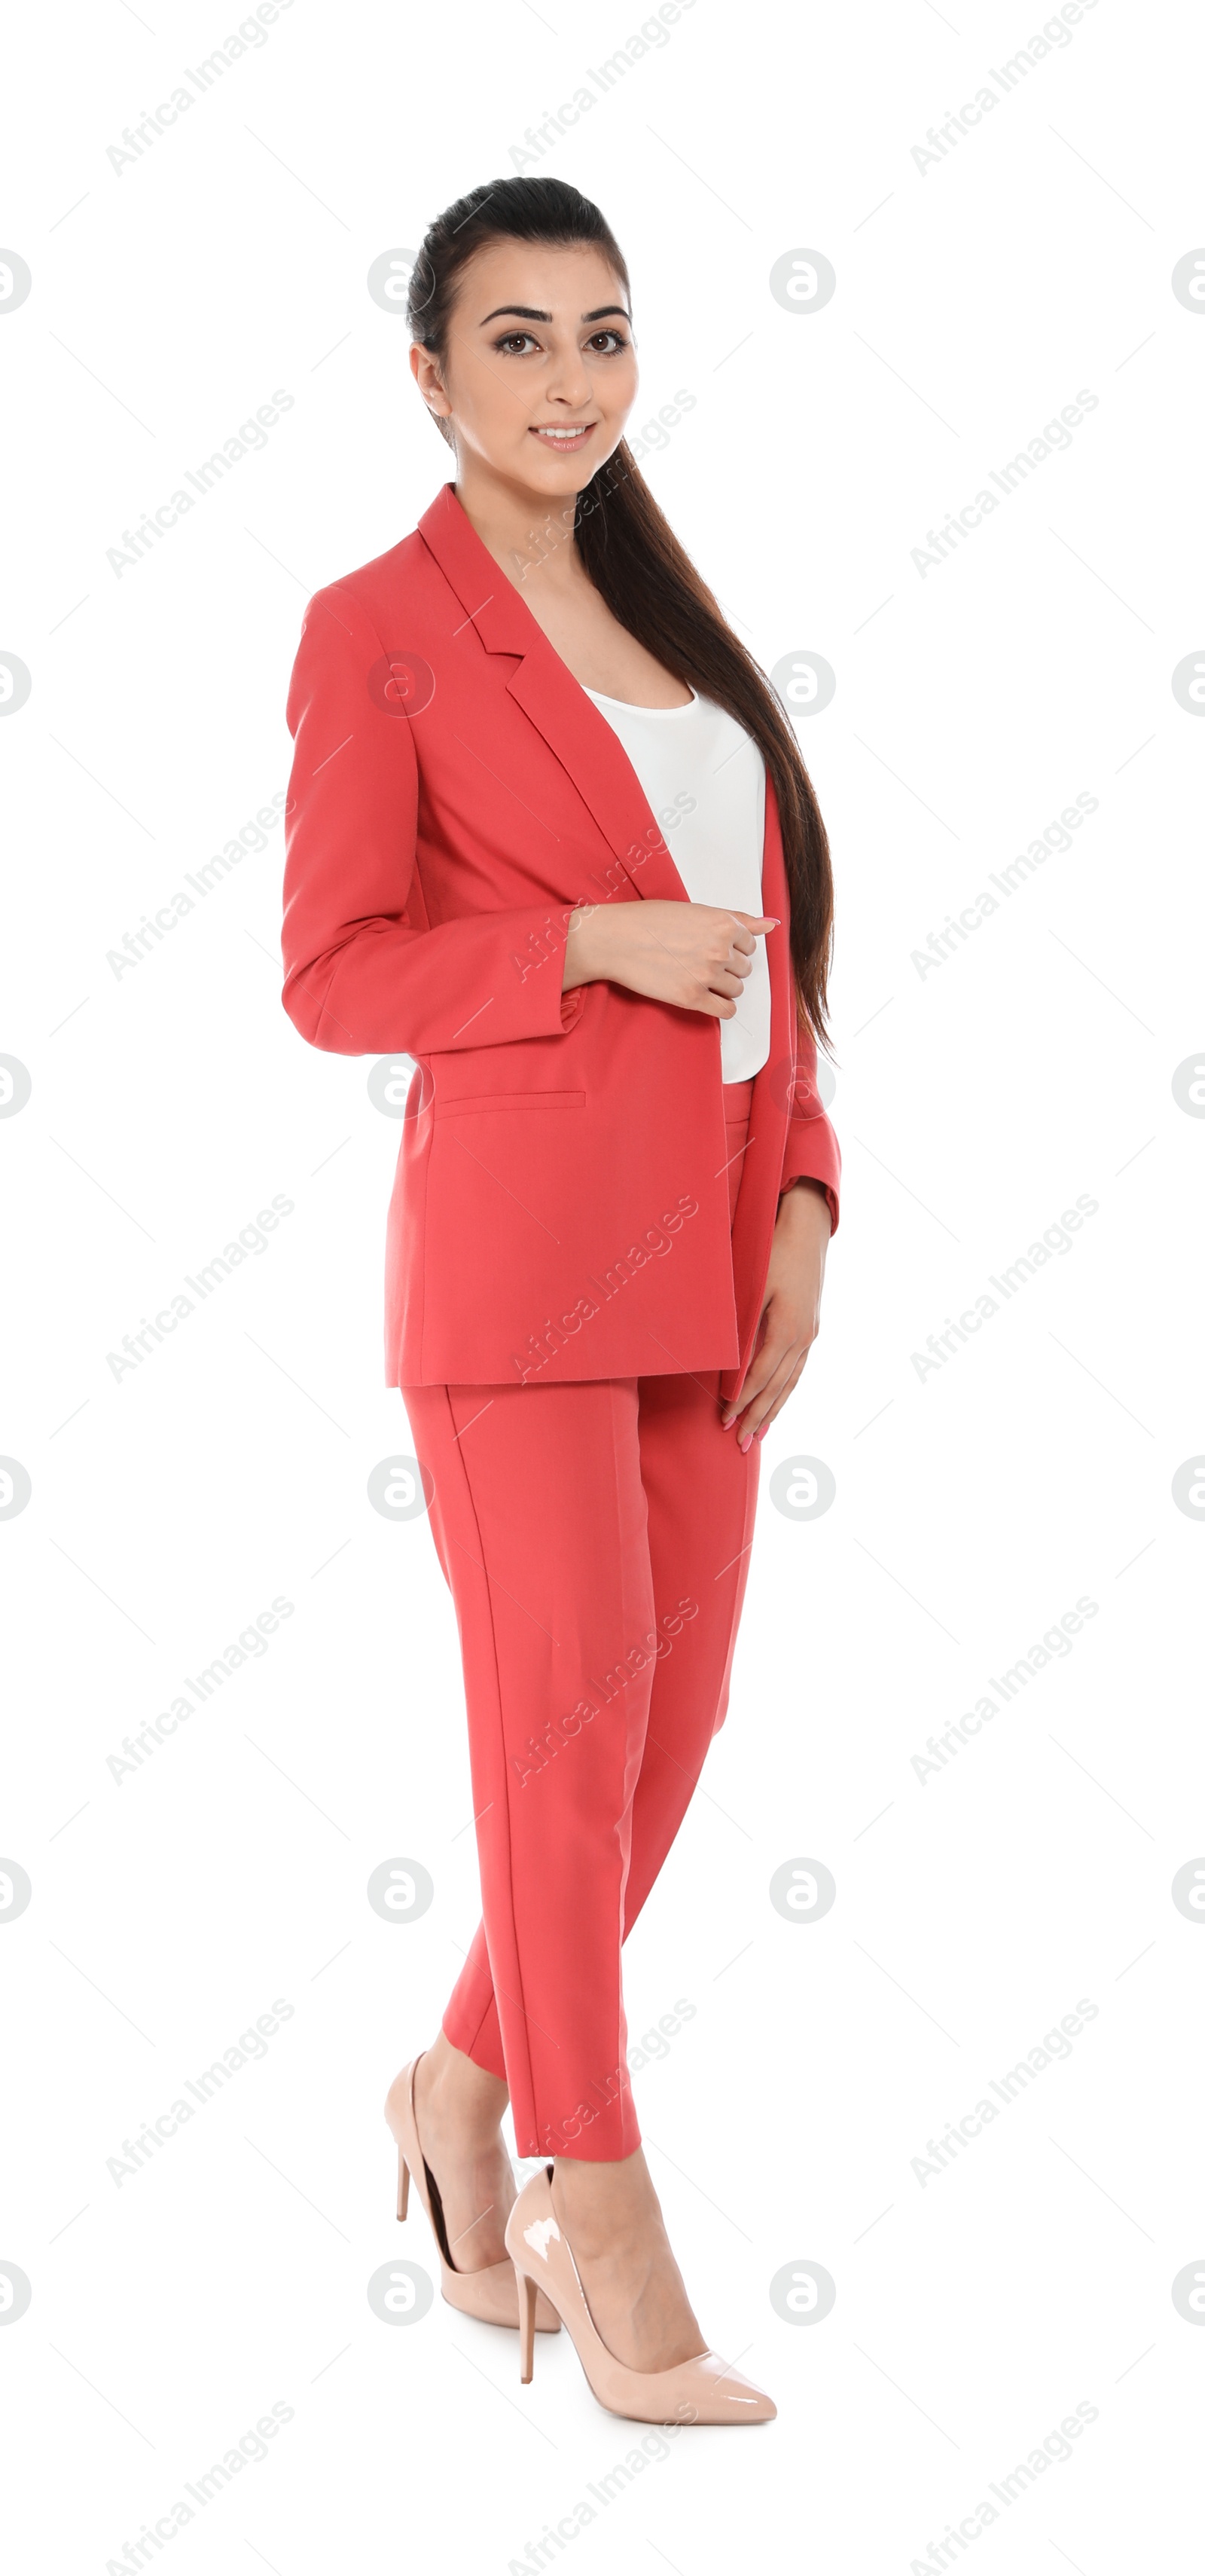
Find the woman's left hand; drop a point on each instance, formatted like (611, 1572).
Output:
(790, 1315)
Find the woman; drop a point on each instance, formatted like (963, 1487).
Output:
(550, 834)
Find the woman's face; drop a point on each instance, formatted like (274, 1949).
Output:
(541, 369)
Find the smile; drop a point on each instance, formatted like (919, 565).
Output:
(566, 439)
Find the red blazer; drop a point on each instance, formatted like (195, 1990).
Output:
(561, 1202)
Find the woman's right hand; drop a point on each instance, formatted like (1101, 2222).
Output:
(692, 954)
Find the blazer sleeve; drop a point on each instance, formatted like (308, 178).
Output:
(365, 973)
(812, 1152)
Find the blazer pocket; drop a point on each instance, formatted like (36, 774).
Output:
(477, 1101)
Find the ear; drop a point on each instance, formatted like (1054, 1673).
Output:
(424, 367)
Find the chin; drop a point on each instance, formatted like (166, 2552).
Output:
(557, 480)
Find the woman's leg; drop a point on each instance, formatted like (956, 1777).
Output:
(541, 1520)
(699, 1497)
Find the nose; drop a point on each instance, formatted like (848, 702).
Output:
(569, 380)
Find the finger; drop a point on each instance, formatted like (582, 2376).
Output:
(780, 1400)
(763, 1369)
(758, 1410)
(762, 1410)
(767, 1392)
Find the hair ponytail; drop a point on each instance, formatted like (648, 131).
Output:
(636, 562)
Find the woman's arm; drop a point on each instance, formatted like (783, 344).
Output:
(364, 973)
(790, 1313)
(808, 1209)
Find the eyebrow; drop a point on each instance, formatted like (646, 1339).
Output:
(531, 313)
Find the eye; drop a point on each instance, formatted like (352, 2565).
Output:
(511, 338)
(616, 339)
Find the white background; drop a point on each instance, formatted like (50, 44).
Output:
(973, 1507)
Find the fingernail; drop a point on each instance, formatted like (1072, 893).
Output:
(762, 1433)
(747, 1442)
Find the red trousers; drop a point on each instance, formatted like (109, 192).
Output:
(595, 1537)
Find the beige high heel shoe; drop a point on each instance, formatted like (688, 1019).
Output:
(701, 2391)
(490, 2294)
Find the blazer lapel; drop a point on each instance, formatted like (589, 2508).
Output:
(557, 705)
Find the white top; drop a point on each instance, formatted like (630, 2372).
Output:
(705, 780)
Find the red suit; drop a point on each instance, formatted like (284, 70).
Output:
(577, 1249)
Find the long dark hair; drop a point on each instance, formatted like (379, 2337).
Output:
(634, 559)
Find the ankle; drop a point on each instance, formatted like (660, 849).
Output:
(450, 2086)
(606, 2208)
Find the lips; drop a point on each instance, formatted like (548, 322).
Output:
(563, 440)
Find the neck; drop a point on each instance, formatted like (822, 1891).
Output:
(529, 535)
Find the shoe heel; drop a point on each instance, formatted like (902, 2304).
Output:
(527, 2324)
(403, 2184)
